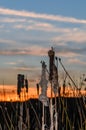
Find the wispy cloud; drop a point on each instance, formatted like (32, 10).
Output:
(11, 63)
(30, 69)
(42, 51)
(68, 52)
(11, 20)
(23, 13)
(34, 50)
(35, 26)
(42, 27)
(42, 22)
(77, 35)
(6, 41)
(77, 61)
(27, 24)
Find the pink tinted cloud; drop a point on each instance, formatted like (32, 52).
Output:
(23, 13)
(34, 50)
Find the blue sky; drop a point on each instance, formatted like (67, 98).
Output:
(29, 28)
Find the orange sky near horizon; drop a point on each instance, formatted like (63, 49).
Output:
(9, 93)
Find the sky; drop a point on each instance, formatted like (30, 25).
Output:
(29, 28)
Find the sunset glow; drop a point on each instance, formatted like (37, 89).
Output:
(9, 93)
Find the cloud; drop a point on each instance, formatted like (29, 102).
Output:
(35, 26)
(61, 51)
(42, 27)
(77, 61)
(6, 41)
(11, 20)
(24, 23)
(6, 11)
(33, 50)
(30, 69)
(11, 63)
(73, 35)
(68, 52)
(36, 50)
